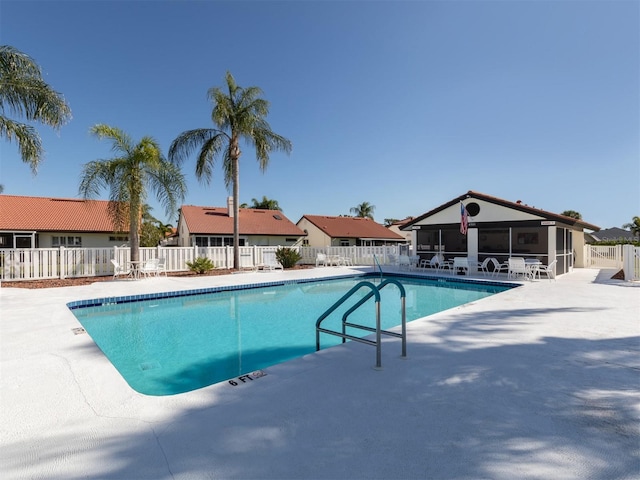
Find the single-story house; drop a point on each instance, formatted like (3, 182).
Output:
(501, 229)
(213, 227)
(323, 231)
(397, 228)
(614, 234)
(43, 222)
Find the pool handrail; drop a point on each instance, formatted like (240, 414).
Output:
(403, 296)
(375, 291)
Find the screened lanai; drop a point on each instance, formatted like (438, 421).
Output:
(500, 229)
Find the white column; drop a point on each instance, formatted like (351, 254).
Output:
(472, 249)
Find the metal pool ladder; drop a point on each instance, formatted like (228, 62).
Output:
(375, 292)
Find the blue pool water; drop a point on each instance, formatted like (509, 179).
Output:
(164, 346)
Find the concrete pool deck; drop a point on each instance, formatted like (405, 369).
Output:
(538, 382)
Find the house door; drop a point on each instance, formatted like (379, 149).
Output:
(564, 250)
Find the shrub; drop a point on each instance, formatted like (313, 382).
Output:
(288, 257)
(201, 265)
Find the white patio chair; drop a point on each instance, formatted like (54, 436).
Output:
(424, 264)
(484, 266)
(404, 262)
(270, 263)
(498, 267)
(162, 266)
(413, 262)
(346, 261)
(321, 259)
(442, 263)
(549, 270)
(460, 263)
(150, 267)
(435, 262)
(517, 268)
(119, 270)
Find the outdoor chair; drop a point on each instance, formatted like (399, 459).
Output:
(549, 270)
(424, 264)
(162, 266)
(404, 262)
(442, 263)
(484, 266)
(270, 263)
(435, 262)
(497, 266)
(150, 267)
(119, 270)
(321, 258)
(460, 263)
(517, 267)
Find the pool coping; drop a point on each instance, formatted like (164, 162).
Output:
(104, 301)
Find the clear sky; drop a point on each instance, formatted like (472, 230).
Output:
(402, 104)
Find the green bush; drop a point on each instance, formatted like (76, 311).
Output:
(288, 257)
(201, 265)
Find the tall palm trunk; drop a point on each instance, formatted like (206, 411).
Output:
(235, 165)
(134, 233)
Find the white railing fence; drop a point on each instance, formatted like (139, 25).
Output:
(603, 256)
(50, 263)
(631, 264)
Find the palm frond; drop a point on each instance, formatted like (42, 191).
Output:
(169, 186)
(24, 93)
(120, 141)
(188, 142)
(29, 143)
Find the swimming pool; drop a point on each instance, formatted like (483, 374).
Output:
(180, 341)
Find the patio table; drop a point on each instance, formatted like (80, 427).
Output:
(135, 266)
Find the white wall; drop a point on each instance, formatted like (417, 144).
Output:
(315, 236)
(489, 212)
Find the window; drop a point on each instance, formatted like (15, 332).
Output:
(118, 239)
(69, 241)
(344, 242)
(216, 241)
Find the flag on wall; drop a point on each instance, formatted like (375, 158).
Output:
(464, 219)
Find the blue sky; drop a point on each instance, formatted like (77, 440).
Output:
(402, 104)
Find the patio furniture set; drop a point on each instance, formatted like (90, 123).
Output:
(514, 267)
(137, 269)
(325, 260)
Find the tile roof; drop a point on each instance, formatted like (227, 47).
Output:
(352, 227)
(54, 214)
(216, 221)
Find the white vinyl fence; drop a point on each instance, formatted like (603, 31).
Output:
(603, 256)
(50, 263)
(631, 264)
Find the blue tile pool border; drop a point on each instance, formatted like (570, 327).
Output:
(449, 282)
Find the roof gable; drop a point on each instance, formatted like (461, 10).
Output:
(23, 213)
(517, 211)
(253, 221)
(352, 227)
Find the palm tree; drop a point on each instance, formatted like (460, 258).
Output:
(24, 93)
(572, 214)
(265, 204)
(634, 226)
(239, 113)
(128, 176)
(364, 210)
